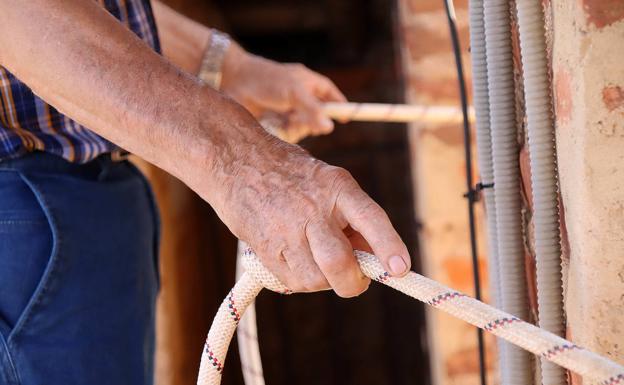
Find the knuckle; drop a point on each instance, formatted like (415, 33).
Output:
(327, 82)
(367, 209)
(310, 278)
(313, 223)
(301, 67)
(333, 265)
(297, 67)
(340, 176)
(328, 129)
(307, 276)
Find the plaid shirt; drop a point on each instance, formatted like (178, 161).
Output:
(27, 123)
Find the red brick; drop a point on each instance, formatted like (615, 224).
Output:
(466, 361)
(613, 97)
(460, 273)
(565, 241)
(422, 41)
(602, 13)
(515, 45)
(451, 135)
(435, 90)
(525, 173)
(531, 278)
(416, 6)
(426, 39)
(563, 95)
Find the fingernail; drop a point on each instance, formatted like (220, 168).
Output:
(397, 265)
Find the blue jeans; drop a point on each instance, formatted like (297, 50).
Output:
(78, 272)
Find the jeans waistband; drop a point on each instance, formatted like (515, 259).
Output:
(44, 163)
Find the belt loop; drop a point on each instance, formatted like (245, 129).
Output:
(119, 156)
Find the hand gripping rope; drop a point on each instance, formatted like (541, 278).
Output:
(527, 336)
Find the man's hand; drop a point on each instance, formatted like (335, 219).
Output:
(297, 93)
(259, 84)
(304, 218)
(301, 216)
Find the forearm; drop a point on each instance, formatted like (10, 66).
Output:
(86, 64)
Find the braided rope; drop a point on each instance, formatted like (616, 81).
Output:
(247, 334)
(522, 334)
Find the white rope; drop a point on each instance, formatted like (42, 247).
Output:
(247, 334)
(522, 334)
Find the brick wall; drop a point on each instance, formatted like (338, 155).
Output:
(439, 180)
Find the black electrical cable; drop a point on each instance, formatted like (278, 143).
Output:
(472, 194)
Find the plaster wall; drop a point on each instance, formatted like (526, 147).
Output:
(588, 72)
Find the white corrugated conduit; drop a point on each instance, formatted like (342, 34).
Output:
(481, 102)
(517, 370)
(541, 133)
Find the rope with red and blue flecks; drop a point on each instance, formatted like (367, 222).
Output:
(527, 336)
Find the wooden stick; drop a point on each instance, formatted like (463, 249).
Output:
(400, 113)
(374, 112)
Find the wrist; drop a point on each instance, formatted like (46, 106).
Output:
(235, 62)
(215, 152)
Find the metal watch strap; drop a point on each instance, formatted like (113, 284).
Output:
(210, 70)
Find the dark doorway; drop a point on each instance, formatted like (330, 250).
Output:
(378, 338)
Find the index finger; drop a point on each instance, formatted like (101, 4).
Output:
(371, 221)
(329, 92)
(325, 89)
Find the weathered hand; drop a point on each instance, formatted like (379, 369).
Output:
(304, 218)
(292, 90)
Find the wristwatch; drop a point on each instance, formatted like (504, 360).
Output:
(212, 63)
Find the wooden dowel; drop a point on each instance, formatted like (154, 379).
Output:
(375, 112)
(400, 113)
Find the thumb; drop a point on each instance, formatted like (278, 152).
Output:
(371, 221)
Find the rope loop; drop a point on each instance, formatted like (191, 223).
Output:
(522, 334)
(254, 266)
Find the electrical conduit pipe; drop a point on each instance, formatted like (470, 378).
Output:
(506, 179)
(484, 149)
(542, 152)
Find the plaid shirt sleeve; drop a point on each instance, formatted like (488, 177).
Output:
(28, 123)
